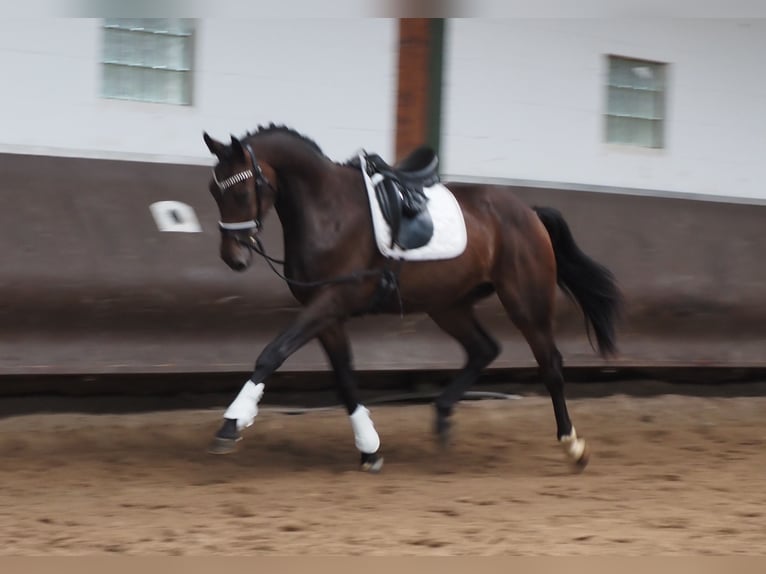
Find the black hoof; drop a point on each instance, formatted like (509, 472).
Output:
(372, 463)
(226, 438)
(223, 445)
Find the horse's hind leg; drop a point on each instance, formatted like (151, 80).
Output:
(534, 318)
(481, 349)
(338, 350)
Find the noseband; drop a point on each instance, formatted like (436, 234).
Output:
(260, 180)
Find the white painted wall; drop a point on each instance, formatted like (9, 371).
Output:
(524, 100)
(336, 84)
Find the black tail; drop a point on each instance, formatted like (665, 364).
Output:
(589, 283)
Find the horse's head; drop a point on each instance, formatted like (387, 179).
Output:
(242, 189)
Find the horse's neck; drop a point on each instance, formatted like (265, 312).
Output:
(300, 173)
(289, 155)
(319, 203)
(302, 202)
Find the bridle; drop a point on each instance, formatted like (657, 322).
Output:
(234, 228)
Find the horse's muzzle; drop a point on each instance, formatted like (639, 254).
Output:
(235, 252)
(238, 265)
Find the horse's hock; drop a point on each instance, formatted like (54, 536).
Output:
(91, 284)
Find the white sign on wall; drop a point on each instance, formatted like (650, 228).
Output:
(174, 216)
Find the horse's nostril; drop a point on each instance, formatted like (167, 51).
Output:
(239, 265)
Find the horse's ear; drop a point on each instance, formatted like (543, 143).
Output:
(236, 146)
(216, 148)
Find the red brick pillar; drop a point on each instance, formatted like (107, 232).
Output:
(418, 106)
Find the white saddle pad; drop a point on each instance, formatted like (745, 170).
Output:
(449, 238)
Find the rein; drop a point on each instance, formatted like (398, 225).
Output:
(389, 278)
(256, 245)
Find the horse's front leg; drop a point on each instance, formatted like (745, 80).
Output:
(319, 314)
(336, 345)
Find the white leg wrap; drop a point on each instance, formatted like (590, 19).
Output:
(573, 446)
(245, 407)
(365, 436)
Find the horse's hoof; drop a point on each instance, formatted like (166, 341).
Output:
(582, 462)
(372, 463)
(221, 445)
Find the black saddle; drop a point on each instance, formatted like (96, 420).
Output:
(399, 190)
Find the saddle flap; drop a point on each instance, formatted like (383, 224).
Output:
(401, 195)
(405, 212)
(390, 201)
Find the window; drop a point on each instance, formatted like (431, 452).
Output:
(635, 102)
(148, 59)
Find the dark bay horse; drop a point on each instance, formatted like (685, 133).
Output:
(336, 271)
